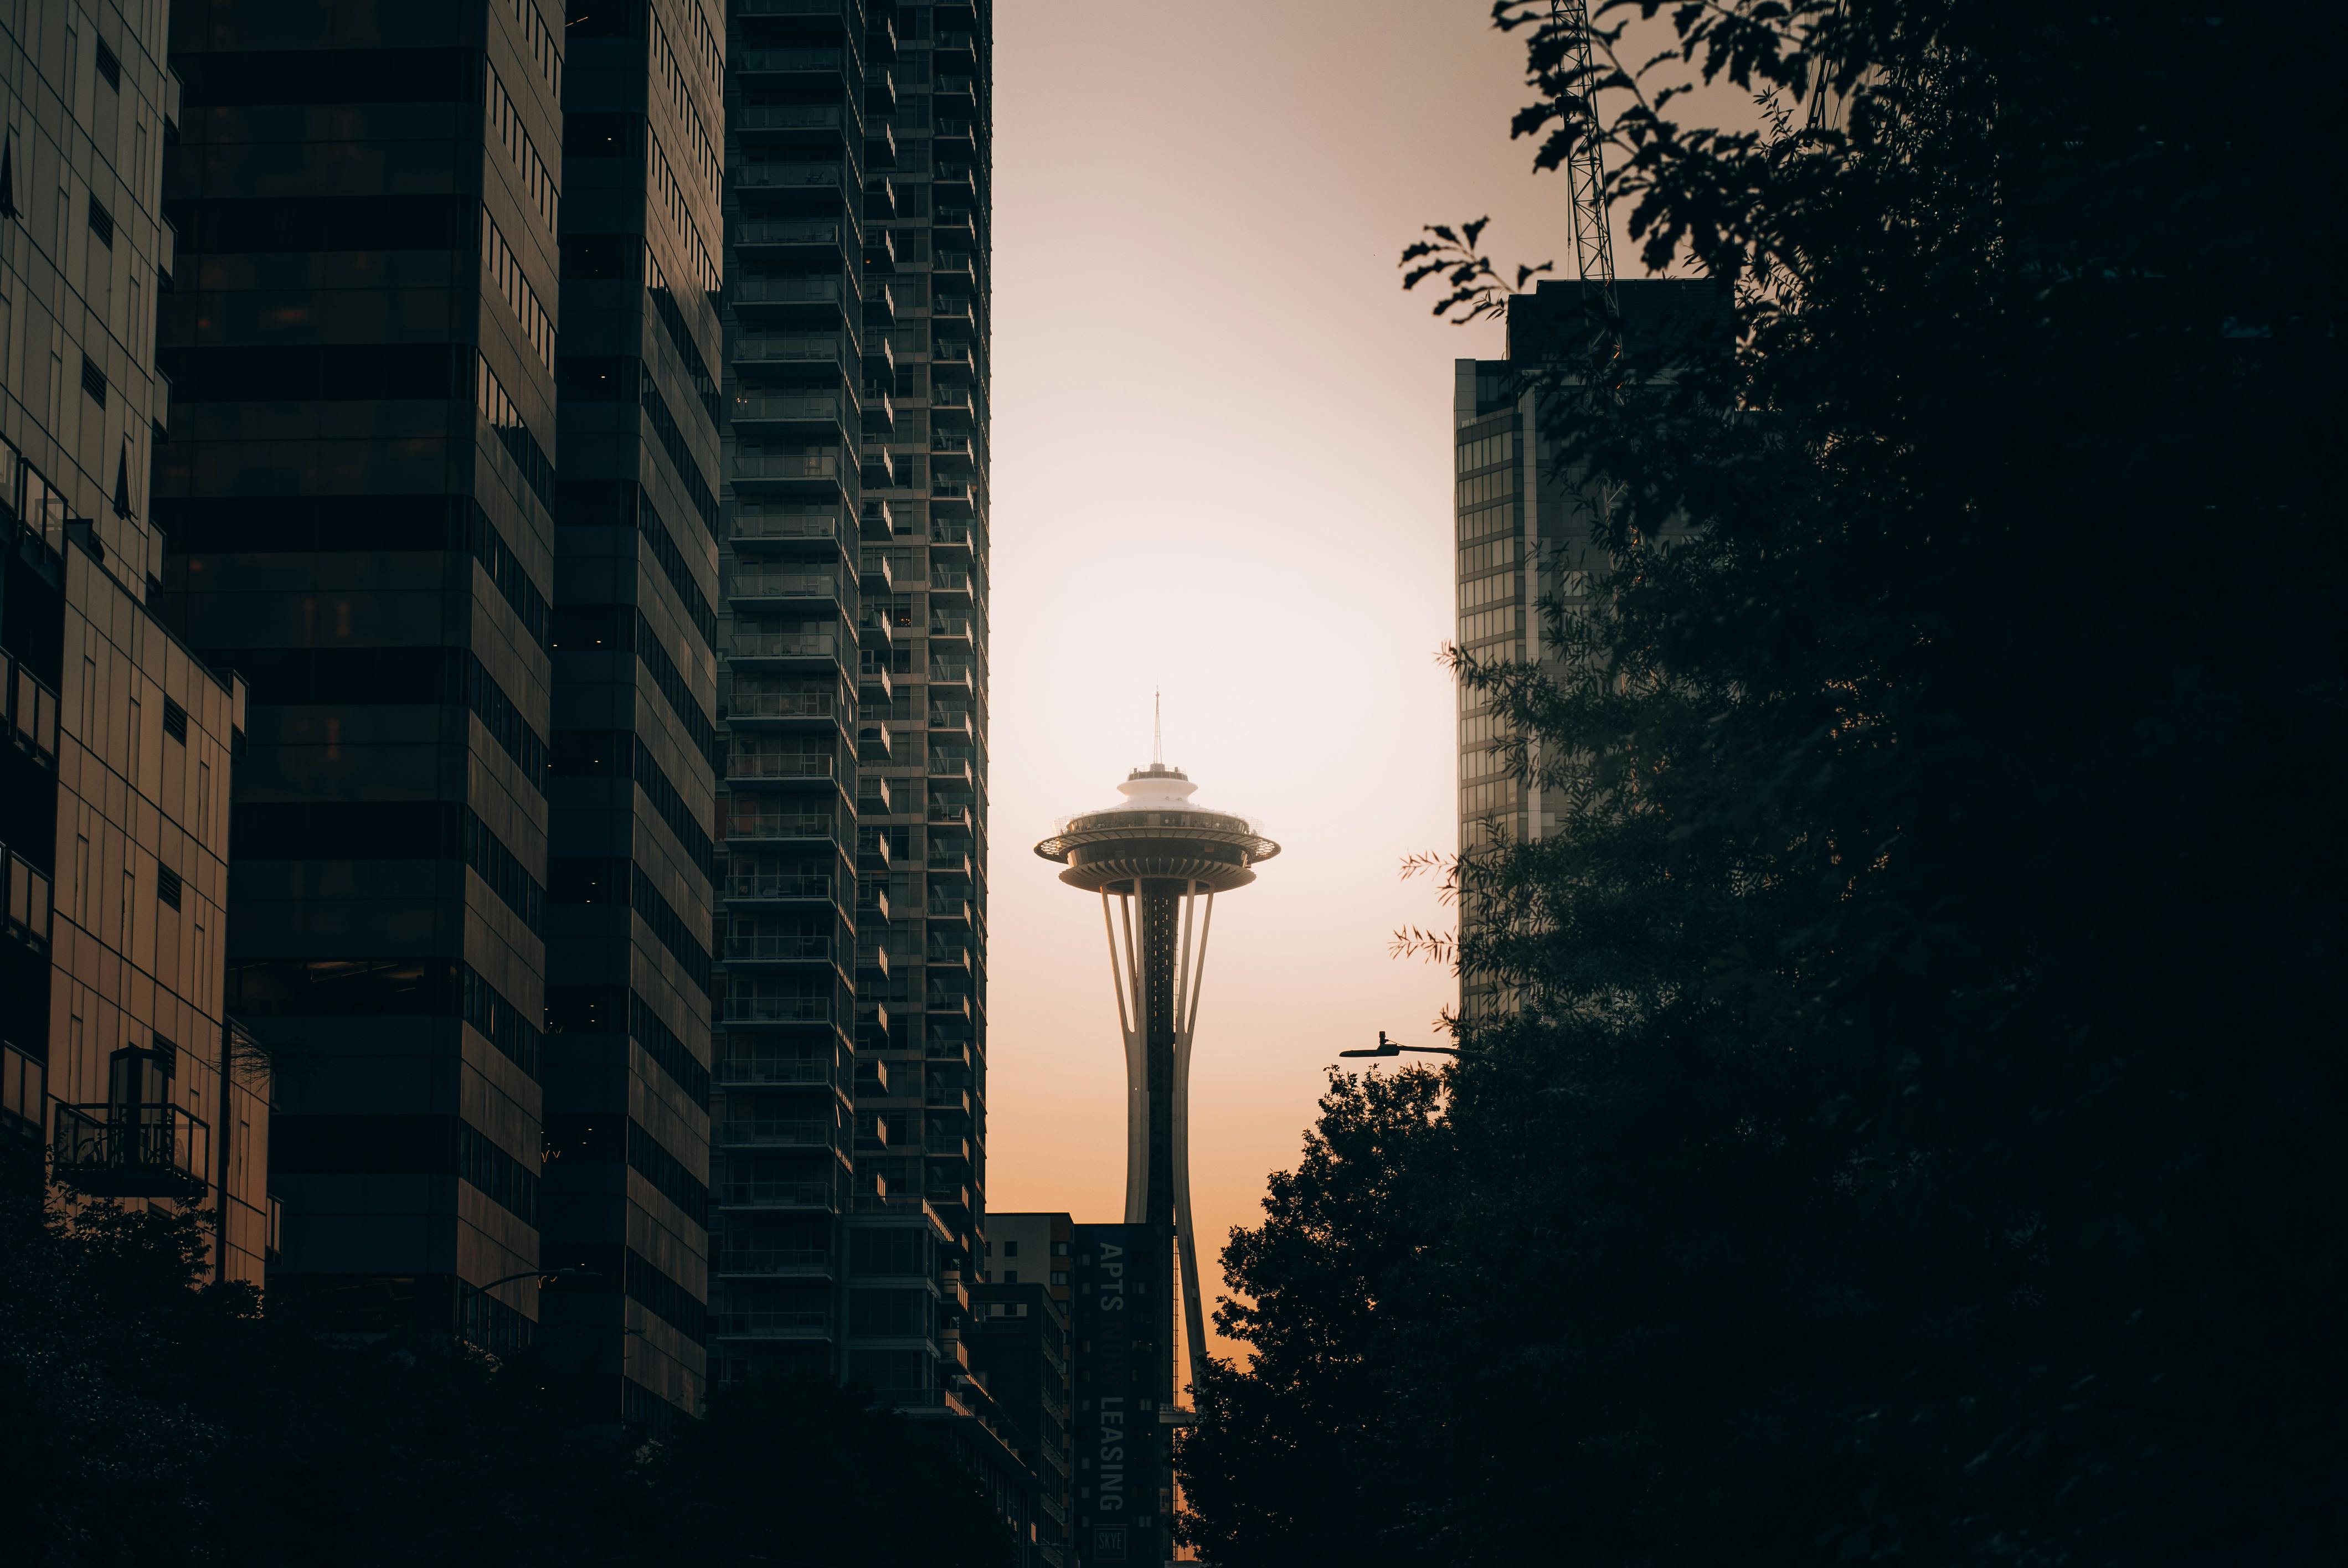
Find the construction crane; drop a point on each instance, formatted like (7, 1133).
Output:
(1585, 173)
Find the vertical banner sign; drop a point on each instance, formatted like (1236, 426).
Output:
(1122, 1345)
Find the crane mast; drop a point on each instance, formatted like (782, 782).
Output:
(1585, 172)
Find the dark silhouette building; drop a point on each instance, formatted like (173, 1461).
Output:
(633, 729)
(1021, 1347)
(358, 500)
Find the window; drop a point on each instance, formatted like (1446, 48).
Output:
(102, 223)
(175, 720)
(1011, 1249)
(168, 886)
(110, 67)
(93, 380)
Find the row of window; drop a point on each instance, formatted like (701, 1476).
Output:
(385, 988)
(612, 628)
(622, 754)
(1480, 591)
(670, 192)
(1500, 483)
(389, 830)
(506, 424)
(618, 1009)
(671, 70)
(1498, 621)
(589, 879)
(1486, 451)
(1488, 556)
(613, 1138)
(506, 130)
(364, 677)
(1489, 522)
(403, 1146)
(505, 277)
(543, 47)
(1482, 728)
(1485, 799)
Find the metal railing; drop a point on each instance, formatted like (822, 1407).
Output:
(782, 645)
(772, 1260)
(25, 894)
(778, 1009)
(741, 704)
(769, 947)
(771, 1131)
(749, 1194)
(131, 1151)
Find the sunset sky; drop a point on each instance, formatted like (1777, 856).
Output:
(1222, 468)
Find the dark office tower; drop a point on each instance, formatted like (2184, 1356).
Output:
(116, 743)
(1524, 531)
(1020, 1345)
(629, 979)
(358, 495)
(1123, 1322)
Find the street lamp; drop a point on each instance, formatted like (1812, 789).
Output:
(1394, 1048)
(568, 1281)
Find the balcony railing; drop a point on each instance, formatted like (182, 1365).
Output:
(782, 585)
(798, 407)
(761, 826)
(782, 645)
(749, 765)
(770, 1325)
(751, 1067)
(741, 704)
(763, 1132)
(949, 626)
(769, 523)
(778, 1009)
(773, 1260)
(744, 1195)
(949, 580)
(750, 882)
(952, 672)
(131, 1151)
(767, 947)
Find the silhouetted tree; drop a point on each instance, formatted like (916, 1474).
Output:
(1920, 1138)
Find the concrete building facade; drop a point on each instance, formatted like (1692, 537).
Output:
(117, 745)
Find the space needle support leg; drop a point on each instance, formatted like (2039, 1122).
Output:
(1186, 1020)
(1137, 1067)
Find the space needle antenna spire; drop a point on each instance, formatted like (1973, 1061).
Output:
(1157, 728)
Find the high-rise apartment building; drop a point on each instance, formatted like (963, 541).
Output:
(631, 799)
(1524, 531)
(358, 499)
(117, 743)
(850, 1107)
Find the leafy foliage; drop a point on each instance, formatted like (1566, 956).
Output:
(153, 1422)
(1921, 1134)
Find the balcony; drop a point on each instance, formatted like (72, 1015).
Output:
(772, 826)
(950, 580)
(952, 672)
(949, 448)
(880, 410)
(786, 525)
(773, 1132)
(952, 264)
(954, 136)
(878, 521)
(872, 848)
(131, 1151)
(951, 769)
(795, 646)
(872, 901)
(954, 627)
(761, 174)
(879, 305)
(749, 882)
(762, 586)
(874, 797)
(787, 238)
(947, 911)
(950, 814)
(873, 683)
(746, 706)
(873, 1078)
(775, 947)
(24, 895)
(940, 957)
(794, 117)
(758, 1009)
(947, 863)
(873, 743)
(760, 765)
(943, 1100)
(875, 573)
(796, 349)
(875, 629)
(773, 1262)
(953, 493)
(753, 1071)
(872, 958)
(880, 143)
(770, 1325)
(803, 415)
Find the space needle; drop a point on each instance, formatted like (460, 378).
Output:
(1157, 861)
